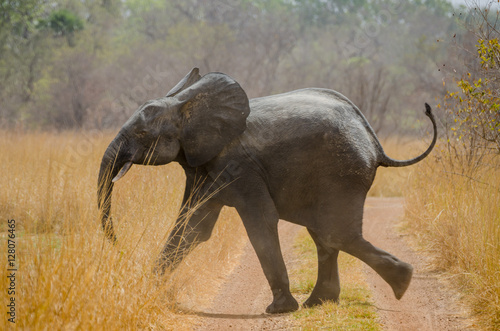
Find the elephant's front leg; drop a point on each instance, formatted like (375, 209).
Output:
(261, 224)
(191, 228)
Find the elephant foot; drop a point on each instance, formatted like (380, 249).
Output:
(401, 280)
(282, 303)
(315, 300)
(323, 291)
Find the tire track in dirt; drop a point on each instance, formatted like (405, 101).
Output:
(427, 305)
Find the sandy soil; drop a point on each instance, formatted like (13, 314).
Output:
(427, 305)
(243, 298)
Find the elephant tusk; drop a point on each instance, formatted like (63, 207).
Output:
(123, 171)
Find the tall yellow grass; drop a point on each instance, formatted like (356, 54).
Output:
(455, 210)
(68, 275)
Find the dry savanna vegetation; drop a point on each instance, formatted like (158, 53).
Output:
(87, 65)
(453, 200)
(455, 212)
(68, 275)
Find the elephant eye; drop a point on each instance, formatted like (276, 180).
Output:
(141, 133)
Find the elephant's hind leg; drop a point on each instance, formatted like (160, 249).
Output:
(345, 233)
(327, 286)
(394, 271)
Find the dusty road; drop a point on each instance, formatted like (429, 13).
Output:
(243, 298)
(427, 305)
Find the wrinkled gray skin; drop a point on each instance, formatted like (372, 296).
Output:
(307, 156)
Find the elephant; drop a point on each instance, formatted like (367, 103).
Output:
(308, 157)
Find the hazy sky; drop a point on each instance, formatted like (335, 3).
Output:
(461, 2)
(464, 2)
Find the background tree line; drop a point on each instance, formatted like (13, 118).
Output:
(90, 63)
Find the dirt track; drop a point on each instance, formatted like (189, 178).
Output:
(426, 305)
(242, 299)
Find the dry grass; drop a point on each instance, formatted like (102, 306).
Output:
(69, 276)
(458, 219)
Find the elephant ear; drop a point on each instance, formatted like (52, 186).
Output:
(213, 112)
(192, 77)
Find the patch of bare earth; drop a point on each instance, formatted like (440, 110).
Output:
(427, 305)
(242, 300)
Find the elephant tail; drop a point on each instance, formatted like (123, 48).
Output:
(386, 161)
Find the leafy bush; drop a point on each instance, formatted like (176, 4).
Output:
(476, 105)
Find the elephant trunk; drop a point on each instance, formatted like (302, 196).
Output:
(113, 160)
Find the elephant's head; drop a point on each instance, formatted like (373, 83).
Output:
(194, 121)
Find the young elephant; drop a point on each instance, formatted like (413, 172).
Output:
(307, 156)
